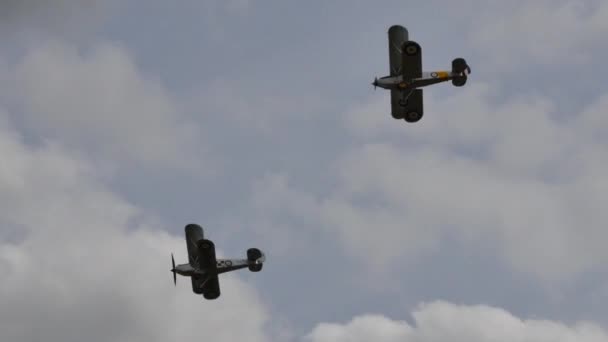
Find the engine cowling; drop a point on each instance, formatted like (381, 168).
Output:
(255, 258)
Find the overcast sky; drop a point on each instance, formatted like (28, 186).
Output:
(123, 121)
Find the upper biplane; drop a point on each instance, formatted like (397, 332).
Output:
(203, 267)
(406, 75)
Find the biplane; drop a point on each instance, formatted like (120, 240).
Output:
(407, 77)
(203, 267)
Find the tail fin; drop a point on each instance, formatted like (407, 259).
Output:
(460, 70)
(256, 259)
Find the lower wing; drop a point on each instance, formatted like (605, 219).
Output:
(208, 286)
(407, 104)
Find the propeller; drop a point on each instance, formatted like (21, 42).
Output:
(375, 84)
(173, 270)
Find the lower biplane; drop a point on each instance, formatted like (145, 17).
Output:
(203, 267)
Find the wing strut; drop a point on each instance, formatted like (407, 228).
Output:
(207, 278)
(405, 95)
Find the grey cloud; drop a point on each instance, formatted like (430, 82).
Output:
(533, 184)
(483, 166)
(66, 17)
(540, 33)
(349, 54)
(99, 103)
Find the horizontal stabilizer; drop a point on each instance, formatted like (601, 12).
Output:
(256, 259)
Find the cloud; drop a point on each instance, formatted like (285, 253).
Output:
(443, 321)
(511, 175)
(540, 33)
(514, 171)
(258, 106)
(59, 16)
(18, 8)
(81, 263)
(500, 163)
(98, 102)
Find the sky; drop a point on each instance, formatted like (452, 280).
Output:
(123, 121)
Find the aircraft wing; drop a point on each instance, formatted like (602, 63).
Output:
(397, 35)
(411, 60)
(194, 233)
(400, 109)
(207, 284)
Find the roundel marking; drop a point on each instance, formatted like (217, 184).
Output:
(434, 74)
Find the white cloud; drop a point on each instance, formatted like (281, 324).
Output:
(99, 103)
(89, 266)
(442, 321)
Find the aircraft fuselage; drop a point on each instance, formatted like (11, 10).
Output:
(428, 78)
(186, 270)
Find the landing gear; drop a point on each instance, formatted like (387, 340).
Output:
(412, 116)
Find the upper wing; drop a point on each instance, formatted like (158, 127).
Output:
(411, 60)
(410, 109)
(194, 233)
(208, 284)
(397, 35)
(206, 252)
